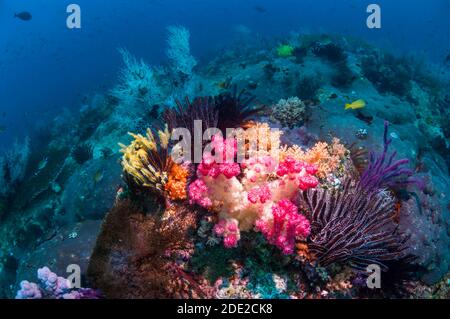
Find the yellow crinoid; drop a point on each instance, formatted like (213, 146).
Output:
(147, 162)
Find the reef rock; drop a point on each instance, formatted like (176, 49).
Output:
(91, 191)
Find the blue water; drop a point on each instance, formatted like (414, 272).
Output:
(45, 67)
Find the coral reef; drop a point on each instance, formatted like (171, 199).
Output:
(137, 82)
(285, 51)
(53, 287)
(235, 108)
(329, 51)
(388, 73)
(82, 153)
(146, 162)
(326, 157)
(13, 166)
(291, 209)
(179, 52)
(148, 246)
(251, 200)
(176, 186)
(383, 172)
(289, 112)
(284, 226)
(352, 226)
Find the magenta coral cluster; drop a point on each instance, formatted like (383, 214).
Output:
(229, 230)
(287, 224)
(222, 162)
(255, 194)
(302, 171)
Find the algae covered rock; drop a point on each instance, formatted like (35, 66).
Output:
(70, 245)
(90, 191)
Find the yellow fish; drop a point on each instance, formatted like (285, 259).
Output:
(358, 104)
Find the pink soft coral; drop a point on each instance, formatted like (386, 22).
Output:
(285, 224)
(301, 171)
(223, 160)
(259, 194)
(198, 194)
(258, 168)
(229, 230)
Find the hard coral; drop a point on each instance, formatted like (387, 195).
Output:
(290, 112)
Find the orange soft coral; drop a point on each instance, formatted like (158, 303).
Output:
(177, 181)
(326, 157)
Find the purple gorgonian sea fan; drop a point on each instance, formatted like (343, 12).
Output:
(384, 171)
